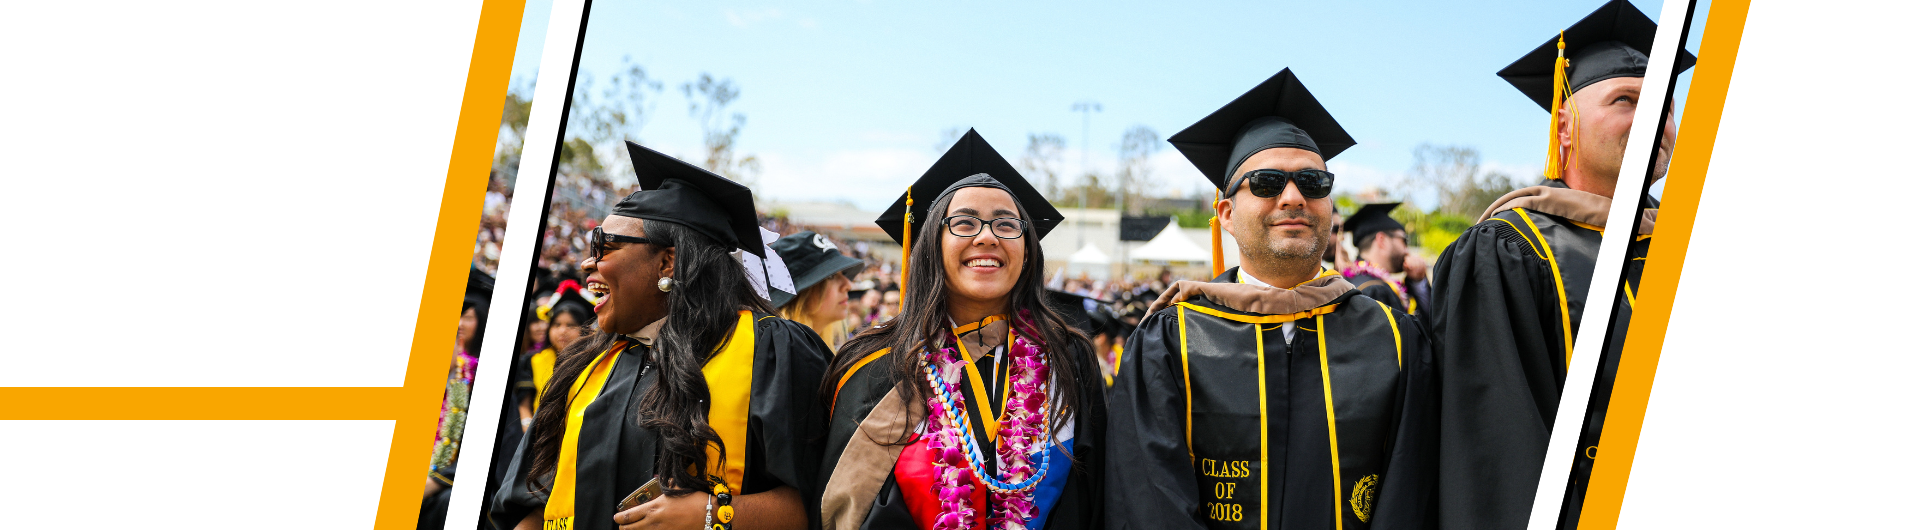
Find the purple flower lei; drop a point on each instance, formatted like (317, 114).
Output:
(1361, 266)
(1022, 431)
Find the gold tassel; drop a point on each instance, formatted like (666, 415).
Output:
(1553, 114)
(906, 244)
(1219, 258)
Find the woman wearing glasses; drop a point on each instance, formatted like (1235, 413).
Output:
(977, 407)
(689, 380)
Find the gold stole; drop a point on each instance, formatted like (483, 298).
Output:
(558, 513)
(729, 375)
(729, 389)
(542, 372)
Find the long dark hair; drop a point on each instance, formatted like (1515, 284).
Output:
(710, 288)
(924, 323)
(478, 304)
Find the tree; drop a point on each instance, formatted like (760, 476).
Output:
(513, 134)
(1095, 189)
(1135, 176)
(599, 121)
(1453, 173)
(707, 101)
(1041, 162)
(1464, 190)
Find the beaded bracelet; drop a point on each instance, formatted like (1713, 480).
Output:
(724, 499)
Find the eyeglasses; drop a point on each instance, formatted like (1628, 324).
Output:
(598, 239)
(969, 226)
(1268, 183)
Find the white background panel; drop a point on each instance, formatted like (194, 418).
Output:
(253, 185)
(193, 474)
(1785, 393)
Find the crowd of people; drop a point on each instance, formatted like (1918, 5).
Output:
(666, 382)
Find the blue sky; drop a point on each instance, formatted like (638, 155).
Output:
(847, 100)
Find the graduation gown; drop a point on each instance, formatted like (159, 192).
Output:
(1509, 296)
(1377, 288)
(779, 445)
(861, 488)
(1218, 421)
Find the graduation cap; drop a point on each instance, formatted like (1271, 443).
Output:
(811, 258)
(1372, 219)
(1279, 112)
(677, 192)
(567, 298)
(1073, 308)
(479, 288)
(970, 163)
(1613, 41)
(963, 166)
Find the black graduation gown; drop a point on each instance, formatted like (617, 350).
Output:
(616, 455)
(1378, 289)
(869, 416)
(508, 433)
(1191, 376)
(1502, 345)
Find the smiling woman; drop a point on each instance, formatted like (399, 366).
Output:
(687, 375)
(978, 403)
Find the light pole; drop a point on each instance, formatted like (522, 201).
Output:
(1086, 108)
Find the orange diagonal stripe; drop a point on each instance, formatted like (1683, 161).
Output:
(1719, 42)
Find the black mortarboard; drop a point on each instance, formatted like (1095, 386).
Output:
(682, 193)
(567, 299)
(969, 163)
(1073, 308)
(1613, 41)
(1372, 219)
(810, 258)
(479, 288)
(1277, 113)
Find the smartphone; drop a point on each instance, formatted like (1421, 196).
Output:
(647, 492)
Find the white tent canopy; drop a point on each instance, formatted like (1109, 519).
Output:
(1170, 246)
(1089, 255)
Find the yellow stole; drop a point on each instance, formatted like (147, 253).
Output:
(558, 514)
(729, 375)
(542, 372)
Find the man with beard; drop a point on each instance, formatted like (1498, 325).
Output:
(1382, 246)
(1510, 292)
(1277, 395)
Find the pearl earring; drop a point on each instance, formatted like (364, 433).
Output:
(666, 285)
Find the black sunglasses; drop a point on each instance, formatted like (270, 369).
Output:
(598, 239)
(970, 226)
(1269, 183)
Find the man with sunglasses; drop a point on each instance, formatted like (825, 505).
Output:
(1509, 294)
(1276, 395)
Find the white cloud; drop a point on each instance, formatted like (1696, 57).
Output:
(748, 17)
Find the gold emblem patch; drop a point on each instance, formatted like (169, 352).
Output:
(1362, 500)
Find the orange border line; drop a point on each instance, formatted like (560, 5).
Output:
(209, 403)
(1620, 438)
(415, 407)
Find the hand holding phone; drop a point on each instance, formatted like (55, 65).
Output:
(647, 492)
